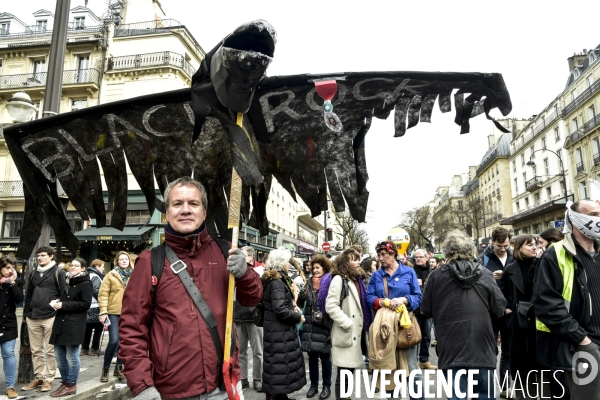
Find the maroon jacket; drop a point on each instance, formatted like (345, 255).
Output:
(178, 357)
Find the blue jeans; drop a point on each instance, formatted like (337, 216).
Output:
(9, 362)
(313, 368)
(484, 380)
(113, 341)
(425, 325)
(67, 361)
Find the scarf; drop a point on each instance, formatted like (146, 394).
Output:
(125, 274)
(71, 276)
(41, 269)
(587, 225)
(324, 290)
(316, 283)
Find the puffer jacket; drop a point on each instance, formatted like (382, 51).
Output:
(96, 278)
(462, 316)
(283, 362)
(315, 338)
(41, 290)
(176, 353)
(69, 324)
(110, 296)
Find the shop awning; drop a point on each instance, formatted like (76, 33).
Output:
(109, 233)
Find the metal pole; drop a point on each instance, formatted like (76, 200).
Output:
(56, 59)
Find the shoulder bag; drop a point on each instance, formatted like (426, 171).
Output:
(407, 337)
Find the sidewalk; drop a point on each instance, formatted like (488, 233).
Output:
(88, 384)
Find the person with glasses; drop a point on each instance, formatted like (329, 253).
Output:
(10, 295)
(495, 258)
(422, 270)
(68, 330)
(45, 282)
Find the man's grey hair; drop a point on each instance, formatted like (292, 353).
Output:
(186, 181)
(278, 259)
(458, 246)
(425, 253)
(249, 250)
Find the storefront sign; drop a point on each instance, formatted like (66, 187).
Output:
(306, 248)
(104, 238)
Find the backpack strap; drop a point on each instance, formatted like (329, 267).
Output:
(486, 260)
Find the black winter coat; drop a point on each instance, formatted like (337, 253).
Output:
(283, 362)
(315, 338)
(516, 288)
(463, 324)
(41, 291)
(567, 328)
(71, 318)
(10, 295)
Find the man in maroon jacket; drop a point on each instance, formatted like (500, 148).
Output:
(176, 357)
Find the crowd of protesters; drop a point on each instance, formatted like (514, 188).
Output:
(529, 297)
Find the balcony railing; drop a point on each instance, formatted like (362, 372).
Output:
(39, 79)
(583, 131)
(163, 58)
(579, 100)
(533, 184)
(579, 167)
(34, 30)
(11, 189)
(146, 28)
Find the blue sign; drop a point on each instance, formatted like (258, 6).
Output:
(559, 224)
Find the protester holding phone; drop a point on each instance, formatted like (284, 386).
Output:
(10, 295)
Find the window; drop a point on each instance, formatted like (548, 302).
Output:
(132, 217)
(40, 26)
(527, 230)
(526, 202)
(13, 223)
(38, 110)
(83, 65)
(578, 155)
(591, 112)
(79, 22)
(544, 143)
(537, 228)
(534, 169)
(546, 166)
(78, 104)
(518, 206)
(514, 166)
(532, 152)
(516, 186)
(517, 231)
(596, 146)
(39, 69)
(536, 199)
(574, 124)
(4, 28)
(590, 79)
(522, 159)
(573, 94)
(557, 134)
(524, 177)
(549, 192)
(497, 170)
(0, 66)
(583, 190)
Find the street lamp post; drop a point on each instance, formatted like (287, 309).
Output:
(20, 108)
(530, 163)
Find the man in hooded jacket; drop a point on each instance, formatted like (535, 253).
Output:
(463, 299)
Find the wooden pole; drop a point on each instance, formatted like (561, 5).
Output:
(235, 199)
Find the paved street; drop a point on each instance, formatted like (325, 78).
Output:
(89, 385)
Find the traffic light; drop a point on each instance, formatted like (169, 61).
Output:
(329, 234)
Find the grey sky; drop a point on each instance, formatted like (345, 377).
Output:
(527, 41)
